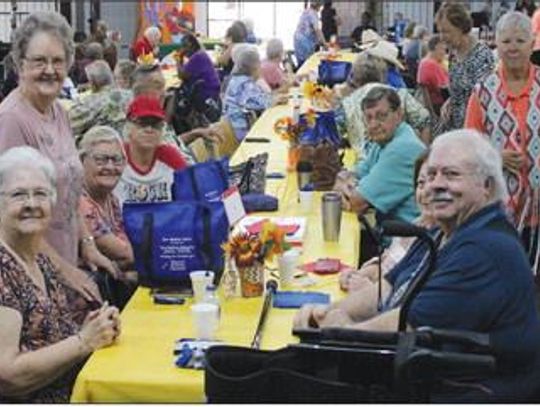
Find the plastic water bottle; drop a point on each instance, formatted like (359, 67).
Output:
(211, 297)
(296, 106)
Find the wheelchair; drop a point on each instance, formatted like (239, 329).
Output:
(335, 365)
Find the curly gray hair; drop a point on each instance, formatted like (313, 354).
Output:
(246, 59)
(97, 135)
(43, 21)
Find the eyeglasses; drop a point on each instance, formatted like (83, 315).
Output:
(102, 159)
(23, 195)
(40, 62)
(155, 124)
(380, 117)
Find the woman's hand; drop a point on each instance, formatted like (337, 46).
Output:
(95, 260)
(100, 328)
(310, 316)
(512, 160)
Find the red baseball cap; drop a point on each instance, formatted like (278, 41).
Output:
(145, 106)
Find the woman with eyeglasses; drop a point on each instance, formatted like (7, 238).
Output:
(149, 173)
(42, 346)
(103, 159)
(43, 52)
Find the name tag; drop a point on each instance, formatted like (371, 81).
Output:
(234, 208)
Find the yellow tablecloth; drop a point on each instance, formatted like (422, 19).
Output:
(313, 61)
(140, 368)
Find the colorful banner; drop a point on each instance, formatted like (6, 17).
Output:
(172, 17)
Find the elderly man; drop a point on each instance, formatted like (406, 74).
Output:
(105, 106)
(482, 282)
(386, 174)
(147, 44)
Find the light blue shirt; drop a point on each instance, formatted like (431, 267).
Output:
(386, 174)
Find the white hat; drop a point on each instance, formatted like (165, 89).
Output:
(387, 51)
(370, 38)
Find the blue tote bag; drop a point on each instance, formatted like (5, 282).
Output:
(171, 239)
(202, 182)
(325, 130)
(333, 72)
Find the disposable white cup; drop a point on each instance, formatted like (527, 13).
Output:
(205, 320)
(200, 280)
(287, 265)
(306, 200)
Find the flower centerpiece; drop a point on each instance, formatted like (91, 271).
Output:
(147, 59)
(320, 96)
(249, 252)
(290, 131)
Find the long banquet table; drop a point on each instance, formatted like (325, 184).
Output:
(140, 366)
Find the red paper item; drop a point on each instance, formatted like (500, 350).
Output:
(325, 266)
(256, 227)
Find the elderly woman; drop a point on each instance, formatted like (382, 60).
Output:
(244, 94)
(103, 158)
(365, 75)
(105, 106)
(149, 173)
(505, 107)
(369, 272)
(147, 44)
(43, 50)
(470, 61)
(271, 68)
(235, 34)
(41, 346)
(308, 34)
(123, 73)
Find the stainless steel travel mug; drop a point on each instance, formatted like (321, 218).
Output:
(331, 216)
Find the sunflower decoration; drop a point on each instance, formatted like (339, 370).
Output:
(247, 249)
(146, 59)
(319, 95)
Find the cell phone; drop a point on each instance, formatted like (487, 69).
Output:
(166, 299)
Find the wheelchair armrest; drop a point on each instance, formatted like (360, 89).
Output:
(317, 335)
(434, 336)
(449, 363)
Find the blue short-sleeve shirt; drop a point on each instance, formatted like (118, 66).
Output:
(482, 282)
(386, 176)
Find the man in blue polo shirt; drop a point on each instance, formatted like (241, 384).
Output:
(384, 178)
(482, 280)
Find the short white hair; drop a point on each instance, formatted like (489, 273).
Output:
(29, 158)
(246, 58)
(97, 135)
(274, 48)
(99, 73)
(419, 31)
(481, 153)
(514, 20)
(152, 32)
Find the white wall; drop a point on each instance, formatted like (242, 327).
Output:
(122, 16)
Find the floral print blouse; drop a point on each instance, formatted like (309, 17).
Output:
(46, 318)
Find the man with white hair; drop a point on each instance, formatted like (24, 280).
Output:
(147, 44)
(105, 106)
(482, 280)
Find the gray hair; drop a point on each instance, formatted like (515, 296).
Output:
(99, 73)
(482, 154)
(419, 31)
(93, 51)
(514, 20)
(245, 58)
(274, 48)
(152, 33)
(126, 69)
(365, 70)
(378, 93)
(43, 21)
(27, 157)
(97, 135)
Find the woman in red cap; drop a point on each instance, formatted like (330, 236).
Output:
(148, 175)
